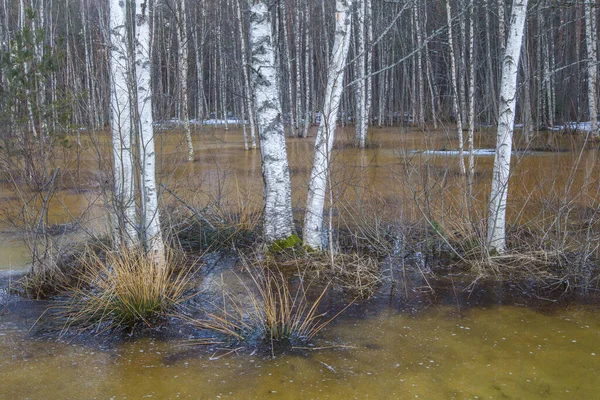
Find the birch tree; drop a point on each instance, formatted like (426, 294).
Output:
(471, 118)
(245, 75)
(313, 219)
(125, 229)
(182, 62)
(361, 95)
(151, 233)
(496, 237)
(455, 95)
(592, 64)
(369, 62)
(278, 219)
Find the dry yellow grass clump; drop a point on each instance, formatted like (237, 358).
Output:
(124, 289)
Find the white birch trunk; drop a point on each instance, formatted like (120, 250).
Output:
(278, 220)
(382, 85)
(198, 55)
(471, 113)
(369, 61)
(592, 64)
(288, 59)
(419, 66)
(496, 238)
(182, 59)
(527, 116)
(313, 220)
(490, 65)
(222, 72)
(455, 97)
(125, 232)
(307, 61)
(298, 58)
(361, 97)
(151, 234)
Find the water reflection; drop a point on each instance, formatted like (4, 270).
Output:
(494, 352)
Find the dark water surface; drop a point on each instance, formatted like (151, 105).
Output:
(492, 352)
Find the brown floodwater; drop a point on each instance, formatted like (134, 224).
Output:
(493, 352)
(487, 350)
(379, 183)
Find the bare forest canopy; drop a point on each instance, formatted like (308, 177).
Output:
(407, 55)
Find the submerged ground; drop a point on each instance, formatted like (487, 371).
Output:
(416, 338)
(484, 344)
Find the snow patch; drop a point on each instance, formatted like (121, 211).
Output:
(573, 126)
(174, 122)
(476, 152)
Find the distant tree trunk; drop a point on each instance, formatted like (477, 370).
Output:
(491, 91)
(527, 116)
(369, 62)
(501, 27)
(496, 238)
(199, 57)
(361, 95)
(287, 46)
(472, 79)
(592, 64)
(151, 233)
(455, 96)
(313, 219)
(298, 58)
(90, 86)
(308, 50)
(382, 80)
(325, 33)
(222, 82)
(278, 219)
(419, 66)
(182, 60)
(125, 229)
(246, 78)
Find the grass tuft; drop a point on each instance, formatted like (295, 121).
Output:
(123, 290)
(271, 310)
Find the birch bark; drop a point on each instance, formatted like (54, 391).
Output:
(592, 64)
(151, 233)
(182, 60)
(369, 62)
(307, 80)
(360, 98)
(125, 232)
(287, 45)
(198, 37)
(298, 58)
(278, 220)
(493, 108)
(245, 75)
(455, 97)
(471, 113)
(496, 237)
(313, 220)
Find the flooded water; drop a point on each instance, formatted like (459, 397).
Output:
(493, 352)
(444, 350)
(379, 182)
